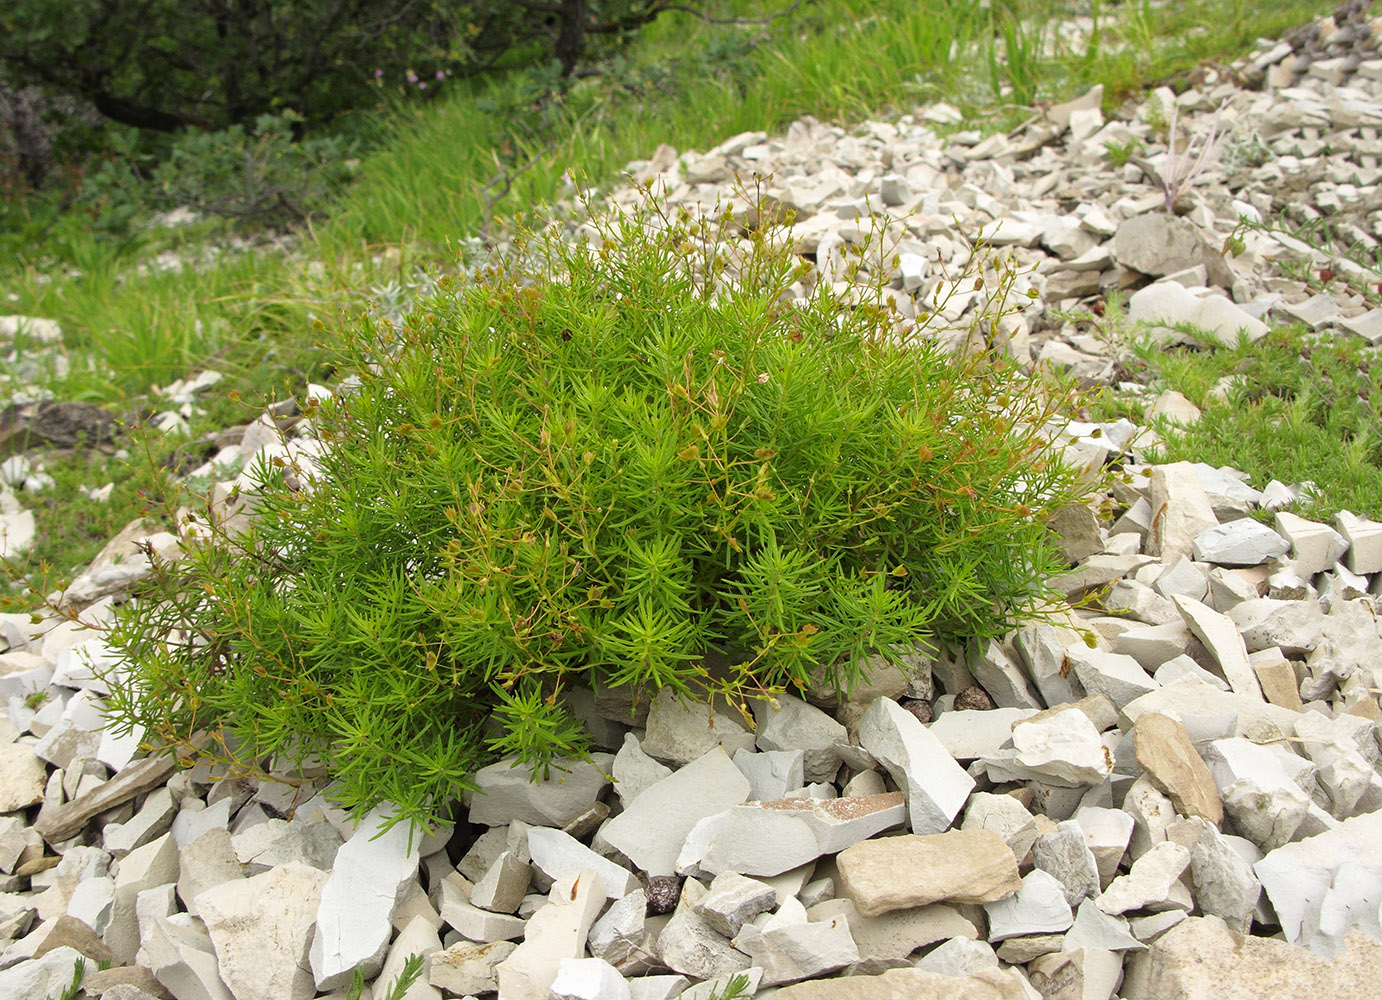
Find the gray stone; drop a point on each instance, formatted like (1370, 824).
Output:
(1119, 678)
(634, 771)
(1066, 855)
(936, 787)
(796, 725)
(689, 945)
(560, 856)
(1225, 885)
(733, 900)
(652, 830)
(681, 731)
(1038, 907)
(507, 791)
(1224, 643)
(355, 915)
(1243, 542)
(772, 774)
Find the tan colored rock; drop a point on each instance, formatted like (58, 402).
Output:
(895, 873)
(1277, 679)
(1180, 511)
(1200, 958)
(466, 967)
(1173, 764)
(262, 928)
(911, 984)
(22, 777)
(899, 933)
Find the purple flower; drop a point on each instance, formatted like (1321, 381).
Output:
(378, 74)
(422, 85)
(441, 74)
(412, 77)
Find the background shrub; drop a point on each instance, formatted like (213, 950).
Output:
(640, 467)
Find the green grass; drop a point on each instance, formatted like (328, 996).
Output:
(1301, 409)
(685, 82)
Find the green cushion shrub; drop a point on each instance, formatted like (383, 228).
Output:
(614, 468)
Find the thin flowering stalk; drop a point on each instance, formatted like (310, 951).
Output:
(1182, 169)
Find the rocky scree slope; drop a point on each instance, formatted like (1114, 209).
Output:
(1173, 791)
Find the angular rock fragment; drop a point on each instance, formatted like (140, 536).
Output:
(355, 915)
(964, 866)
(936, 787)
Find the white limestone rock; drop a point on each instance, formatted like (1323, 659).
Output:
(1167, 303)
(22, 777)
(471, 921)
(1066, 854)
(556, 931)
(1224, 643)
(416, 937)
(468, 968)
(1225, 884)
(561, 856)
(1064, 747)
(796, 725)
(1118, 678)
(998, 674)
(770, 838)
(1325, 885)
(507, 791)
(588, 979)
(970, 734)
(355, 914)
(1039, 907)
(1093, 928)
(45, 976)
(261, 929)
(652, 829)
(180, 955)
(733, 900)
(960, 956)
(788, 950)
(1005, 816)
(505, 884)
(935, 786)
(1315, 547)
(1364, 540)
(1043, 653)
(1153, 883)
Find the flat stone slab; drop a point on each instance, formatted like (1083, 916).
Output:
(893, 873)
(1201, 958)
(652, 830)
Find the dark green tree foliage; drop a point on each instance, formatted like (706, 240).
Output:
(170, 64)
(581, 469)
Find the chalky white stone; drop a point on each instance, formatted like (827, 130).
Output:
(652, 830)
(936, 787)
(355, 915)
(261, 930)
(1039, 907)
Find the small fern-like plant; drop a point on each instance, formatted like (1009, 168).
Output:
(641, 463)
